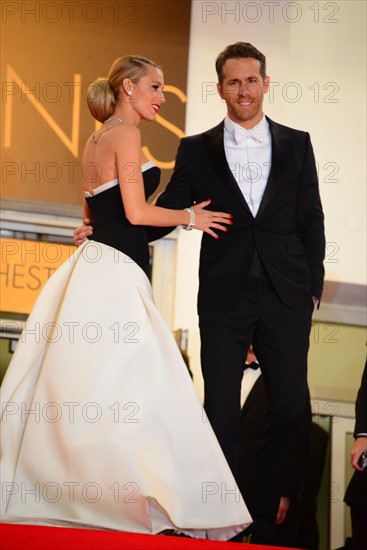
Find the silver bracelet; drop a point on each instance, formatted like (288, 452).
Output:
(191, 223)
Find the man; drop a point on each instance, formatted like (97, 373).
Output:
(355, 495)
(296, 517)
(259, 280)
(253, 424)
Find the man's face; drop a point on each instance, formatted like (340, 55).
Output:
(243, 90)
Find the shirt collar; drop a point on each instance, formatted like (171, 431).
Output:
(236, 131)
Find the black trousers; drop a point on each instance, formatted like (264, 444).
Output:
(358, 514)
(279, 334)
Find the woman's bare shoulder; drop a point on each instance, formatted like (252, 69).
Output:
(128, 129)
(125, 135)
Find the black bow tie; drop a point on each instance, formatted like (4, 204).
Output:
(252, 365)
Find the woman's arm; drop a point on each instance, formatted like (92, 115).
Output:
(86, 211)
(137, 210)
(86, 230)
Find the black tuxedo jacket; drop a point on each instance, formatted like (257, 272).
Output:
(357, 488)
(361, 406)
(288, 230)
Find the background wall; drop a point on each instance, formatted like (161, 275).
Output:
(51, 51)
(316, 61)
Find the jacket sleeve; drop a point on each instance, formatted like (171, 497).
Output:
(310, 220)
(361, 406)
(177, 195)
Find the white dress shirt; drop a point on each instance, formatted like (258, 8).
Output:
(248, 154)
(248, 381)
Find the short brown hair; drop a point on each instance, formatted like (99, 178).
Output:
(236, 51)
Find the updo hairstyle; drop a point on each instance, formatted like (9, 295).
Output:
(103, 93)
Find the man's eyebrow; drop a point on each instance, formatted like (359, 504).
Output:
(235, 79)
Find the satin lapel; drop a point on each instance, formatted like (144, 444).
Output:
(215, 145)
(279, 140)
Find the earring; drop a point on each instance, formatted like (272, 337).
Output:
(129, 92)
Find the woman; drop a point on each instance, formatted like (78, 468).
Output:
(101, 420)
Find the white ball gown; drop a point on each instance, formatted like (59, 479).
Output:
(101, 425)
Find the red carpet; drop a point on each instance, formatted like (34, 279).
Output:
(31, 537)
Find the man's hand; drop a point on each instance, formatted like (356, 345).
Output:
(282, 510)
(360, 445)
(81, 233)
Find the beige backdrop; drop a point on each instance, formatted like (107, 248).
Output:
(50, 52)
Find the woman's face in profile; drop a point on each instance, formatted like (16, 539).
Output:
(148, 95)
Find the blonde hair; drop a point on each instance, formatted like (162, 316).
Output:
(103, 93)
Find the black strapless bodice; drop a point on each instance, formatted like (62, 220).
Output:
(110, 225)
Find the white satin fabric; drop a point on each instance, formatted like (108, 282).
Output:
(101, 425)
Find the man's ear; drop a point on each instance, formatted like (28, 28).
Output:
(266, 84)
(220, 89)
